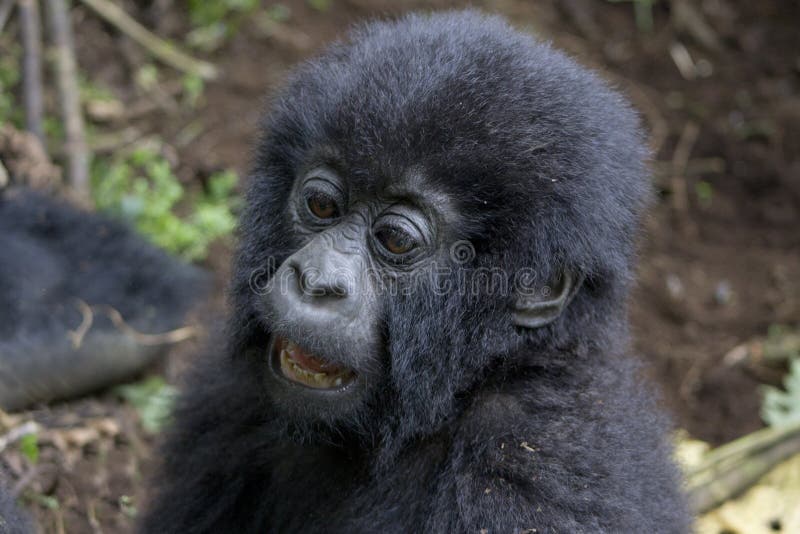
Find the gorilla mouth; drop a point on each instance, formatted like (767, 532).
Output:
(308, 370)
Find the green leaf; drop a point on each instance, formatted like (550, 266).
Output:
(153, 400)
(127, 506)
(704, 191)
(279, 12)
(780, 407)
(320, 5)
(29, 446)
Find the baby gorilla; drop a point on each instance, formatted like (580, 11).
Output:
(429, 326)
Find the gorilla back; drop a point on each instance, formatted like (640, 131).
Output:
(429, 328)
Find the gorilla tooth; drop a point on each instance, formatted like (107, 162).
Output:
(294, 371)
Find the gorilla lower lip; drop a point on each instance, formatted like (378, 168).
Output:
(308, 370)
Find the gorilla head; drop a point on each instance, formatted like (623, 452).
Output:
(428, 326)
(438, 204)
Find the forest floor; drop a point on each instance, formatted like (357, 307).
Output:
(720, 260)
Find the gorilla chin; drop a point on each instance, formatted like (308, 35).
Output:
(298, 366)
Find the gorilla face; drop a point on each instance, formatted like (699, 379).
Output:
(327, 301)
(380, 163)
(363, 247)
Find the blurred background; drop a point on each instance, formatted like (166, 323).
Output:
(146, 111)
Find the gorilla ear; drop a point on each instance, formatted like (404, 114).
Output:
(535, 311)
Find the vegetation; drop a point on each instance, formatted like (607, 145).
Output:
(783, 407)
(142, 188)
(217, 20)
(9, 78)
(153, 400)
(643, 11)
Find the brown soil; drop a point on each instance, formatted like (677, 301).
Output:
(718, 267)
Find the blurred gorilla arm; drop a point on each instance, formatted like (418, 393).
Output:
(56, 257)
(12, 519)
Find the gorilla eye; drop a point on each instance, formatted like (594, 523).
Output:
(322, 197)
(401, 234)
(395, 240)
(322, 206)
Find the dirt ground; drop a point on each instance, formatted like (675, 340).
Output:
(720, 260)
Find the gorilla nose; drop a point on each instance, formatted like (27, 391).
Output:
(320, 281)
(324, 275)
(319, 285)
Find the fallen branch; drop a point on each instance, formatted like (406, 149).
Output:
(161, 49)
(729, 470)
(680, 161)
(172, 336)
(87, 312)
(4, 179)
(87, 318)
(31, 30)
(5, 12)
(69, 96)
(110, 143)
(691, 20)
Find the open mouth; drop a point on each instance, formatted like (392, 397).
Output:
(311, 371)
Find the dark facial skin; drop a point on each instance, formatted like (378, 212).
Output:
(326, 300)
(328, 296)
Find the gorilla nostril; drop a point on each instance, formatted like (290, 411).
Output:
(329, 286)
(338, 288)
(314, 282)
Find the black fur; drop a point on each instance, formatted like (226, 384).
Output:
(479, 425)
(12, 519)
(54, 254)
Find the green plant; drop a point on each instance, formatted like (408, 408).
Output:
(207, 12)
(216, 20)
(29, 446)
(780, 407)
(320, 5)
(91, 90)
(704, 192)
(193, 87)
(643, 12)
(153, 400)
(9, 78)
(142, 189)
(278, 12)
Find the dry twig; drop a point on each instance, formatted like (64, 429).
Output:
(690, 19)
(163, 50)
(87, 312)
(728, 470)
(5, 12)
(680, 161)
(66, 72)
(31, 29)
(87, 318)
